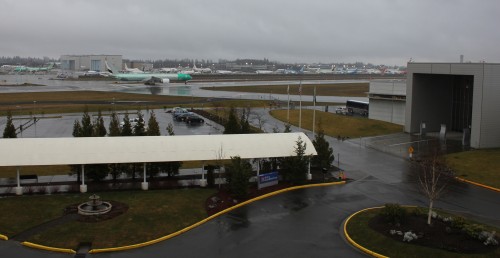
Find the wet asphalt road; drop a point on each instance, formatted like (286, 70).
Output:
(308, 222)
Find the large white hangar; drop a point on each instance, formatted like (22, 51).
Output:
(465, 97)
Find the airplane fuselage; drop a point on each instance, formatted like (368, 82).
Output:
(148, 76)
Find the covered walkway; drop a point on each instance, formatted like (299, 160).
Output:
(146, 149)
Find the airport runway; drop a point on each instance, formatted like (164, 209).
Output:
(173, 89)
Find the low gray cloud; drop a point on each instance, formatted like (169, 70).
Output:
(385, 31)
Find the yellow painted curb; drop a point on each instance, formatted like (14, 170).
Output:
(48, 248)
(4, 237)
(154, 241)
(478, 184)
(349, 239)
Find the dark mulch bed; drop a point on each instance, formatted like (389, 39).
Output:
(435, 236)
(118, 209)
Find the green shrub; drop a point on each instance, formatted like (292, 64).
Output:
(394, 213)
(458, 223)
(473, 230)
(419, 211)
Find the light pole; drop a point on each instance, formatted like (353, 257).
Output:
(34, 116)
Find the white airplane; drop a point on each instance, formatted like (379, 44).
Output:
(327, 71)
(201, 70)
(263, 72)
(132, 70)
(223, 72)
(169, 70)
(148, 78)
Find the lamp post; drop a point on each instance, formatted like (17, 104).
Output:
(34, 116)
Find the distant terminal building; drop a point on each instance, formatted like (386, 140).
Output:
(83, 63)
(388, 101)
(462, 97)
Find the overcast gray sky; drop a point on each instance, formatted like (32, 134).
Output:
(378, 31)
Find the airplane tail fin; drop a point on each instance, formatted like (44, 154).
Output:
(109, 69)
(126, 67)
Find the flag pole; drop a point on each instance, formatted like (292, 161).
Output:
(314, 109)
(288, 105)
(300, 105)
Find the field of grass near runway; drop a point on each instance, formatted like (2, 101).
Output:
(76, 101)
(333, 89)
(338, 125)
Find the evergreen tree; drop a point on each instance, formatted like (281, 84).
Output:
(232, 126)
(127, 127)
(325, 156)
(99, 127)
(295, 167)
(244, 125)
(87, 128)
(140, 126)
(238, 174)
(77, 129)
(114, 125)
(114, 130)
(170, 129)
(10, 129)
(153, 127)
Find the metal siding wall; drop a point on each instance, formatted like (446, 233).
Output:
(380, 110)
(440, 68)
(398, 112)
(490, 120)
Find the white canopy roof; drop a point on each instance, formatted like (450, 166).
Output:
(139, 149)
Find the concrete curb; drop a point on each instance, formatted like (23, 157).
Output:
(352, 242)
(4, 237)
(478, 184)
(154, 241)
(48, 248)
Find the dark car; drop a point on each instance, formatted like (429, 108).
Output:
(193, 119)
(182, 117)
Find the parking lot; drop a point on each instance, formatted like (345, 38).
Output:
(61, 125)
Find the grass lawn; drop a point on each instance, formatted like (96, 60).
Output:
(151, 214)
(362, 234)
(480, 166)
(334, 125)
(334, 89)
(77, 101)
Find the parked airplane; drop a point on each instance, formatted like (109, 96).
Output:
(201, 70)
(150, 78)
(223, 72)
(23, 68)
(263, 72)
(132, 70)
(169, 70)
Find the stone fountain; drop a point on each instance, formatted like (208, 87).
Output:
(94, 207)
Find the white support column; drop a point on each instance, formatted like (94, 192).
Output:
(83, 186)
(203, 181)
(19, 189)
(309, 175)
(144, 184)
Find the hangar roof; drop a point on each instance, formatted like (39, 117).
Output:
(140, 149)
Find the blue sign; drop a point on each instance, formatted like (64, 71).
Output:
(268, 179)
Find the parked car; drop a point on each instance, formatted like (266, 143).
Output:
(179, 111)
(181, 117)
(341, 110)
(194, 119)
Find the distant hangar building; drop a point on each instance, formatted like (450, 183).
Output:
(463, 97)
(388, 101)
(82, 63)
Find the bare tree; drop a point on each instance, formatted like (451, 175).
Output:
(260, 119)
(433, 177)
(219, 155)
